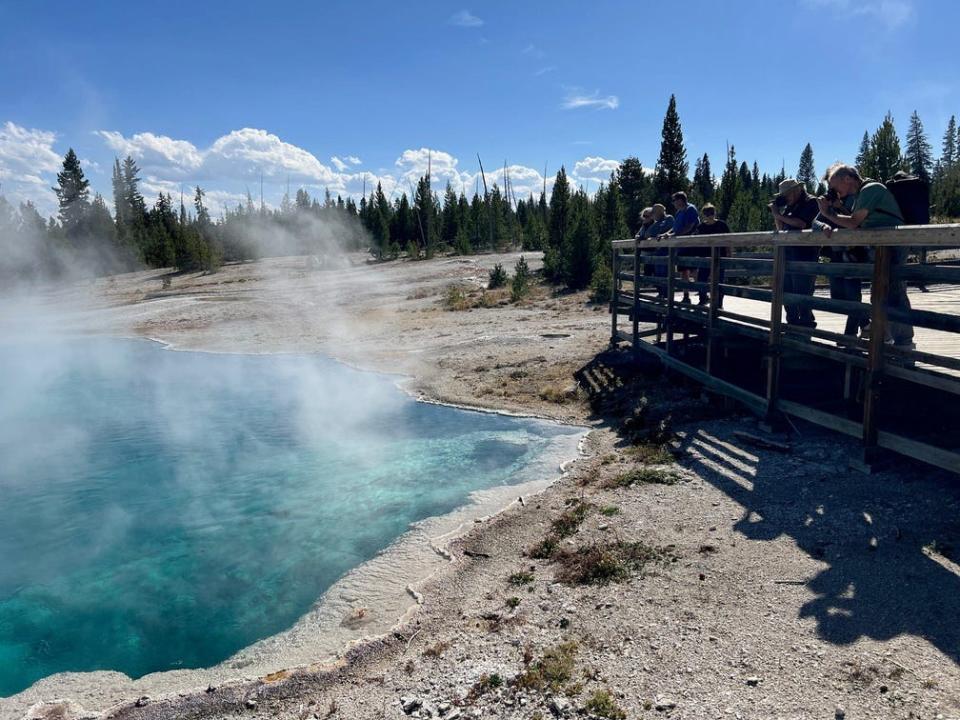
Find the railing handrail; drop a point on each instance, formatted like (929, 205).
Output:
(945, 235)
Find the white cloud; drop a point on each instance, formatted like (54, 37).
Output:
(892, 14)
(338, 163)
(533, 51)
(575, 100)
(27, 163)
(464, 18)
(241, 155)
(594, 169)
(354, 160)
(545, 70)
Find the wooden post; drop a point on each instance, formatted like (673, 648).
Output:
(614, 296)
(774, 346)
(879, 291)
(671, 277)
(714, 307)
(636, 295)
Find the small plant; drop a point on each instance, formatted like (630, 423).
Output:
(571, 519)
(521, 280)
(601, 283)
(643, 476)
(601, 703)
(609, 510)
(455, 299)
(498, 277)
(413, 251)
(651, 453)
(520, 578)
(551, 672)
(513, 602)
(600, 564)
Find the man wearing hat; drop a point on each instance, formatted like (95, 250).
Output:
(793, 210)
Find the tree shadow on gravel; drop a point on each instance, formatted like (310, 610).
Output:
(890, 540)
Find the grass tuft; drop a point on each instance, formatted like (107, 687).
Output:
(520, 578)
(643, 476)
(602, 704)
(601, 564)
(552, 671)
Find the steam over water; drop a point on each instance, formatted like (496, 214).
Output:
(163, 510)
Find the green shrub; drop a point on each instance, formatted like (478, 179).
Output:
(498, 277)
(601, 283)
(601, 703)
(521, 280)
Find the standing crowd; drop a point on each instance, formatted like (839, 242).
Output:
(850, 203)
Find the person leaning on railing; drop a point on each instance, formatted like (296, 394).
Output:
(845, 288)
(710, 224)
(662, 224)
(685, 223)
(873, 207)
(793, 210)
(646, 222)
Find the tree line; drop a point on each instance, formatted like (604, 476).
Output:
(571, 227)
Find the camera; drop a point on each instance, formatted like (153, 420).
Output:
(832, 195)
(780, 201)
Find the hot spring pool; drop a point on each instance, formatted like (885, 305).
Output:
(162, 510)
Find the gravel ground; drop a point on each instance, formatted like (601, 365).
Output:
(677, 570)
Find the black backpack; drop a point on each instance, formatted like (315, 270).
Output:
(913, 196)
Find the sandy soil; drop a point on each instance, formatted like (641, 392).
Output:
(740, 582)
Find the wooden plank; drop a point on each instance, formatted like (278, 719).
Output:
(774, 339)
(945, 383)
(822, 418)
(878, 330)
(755, 403)
(614, 297)
(931, 454)
(715, 300)
(671, 291)
(636, 297)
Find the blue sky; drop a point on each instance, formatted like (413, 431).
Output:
(328, 94)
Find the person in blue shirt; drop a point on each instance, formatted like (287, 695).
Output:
(686, 222)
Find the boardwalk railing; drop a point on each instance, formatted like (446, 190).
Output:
(747, 352)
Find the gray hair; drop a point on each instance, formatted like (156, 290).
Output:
(662, 207)
(645, 211)
(840, 171)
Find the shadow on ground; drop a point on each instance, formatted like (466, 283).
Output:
(890, 541)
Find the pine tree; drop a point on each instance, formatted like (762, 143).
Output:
(559, 209)
(806, 173)
(951, 138)
(73, 194)
(863, 154)
(635, 190)
(885, 157)
(919, 153)
(703, 179)
(729, 185)
(670, 174)
(578, 253)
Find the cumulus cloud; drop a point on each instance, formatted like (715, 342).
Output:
(338, 163)
(575, 100)
(27, 163)
(464, 18)
(595, 169)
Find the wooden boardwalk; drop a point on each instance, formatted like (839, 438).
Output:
(939, 298)
(893, 398)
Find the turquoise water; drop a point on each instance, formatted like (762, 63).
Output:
(163, 510)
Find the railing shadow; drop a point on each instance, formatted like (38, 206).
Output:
(885, 539)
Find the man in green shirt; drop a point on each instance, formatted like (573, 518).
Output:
(873, 207)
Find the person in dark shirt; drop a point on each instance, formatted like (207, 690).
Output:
(710, 225)
(793, 209)
(685, 223)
